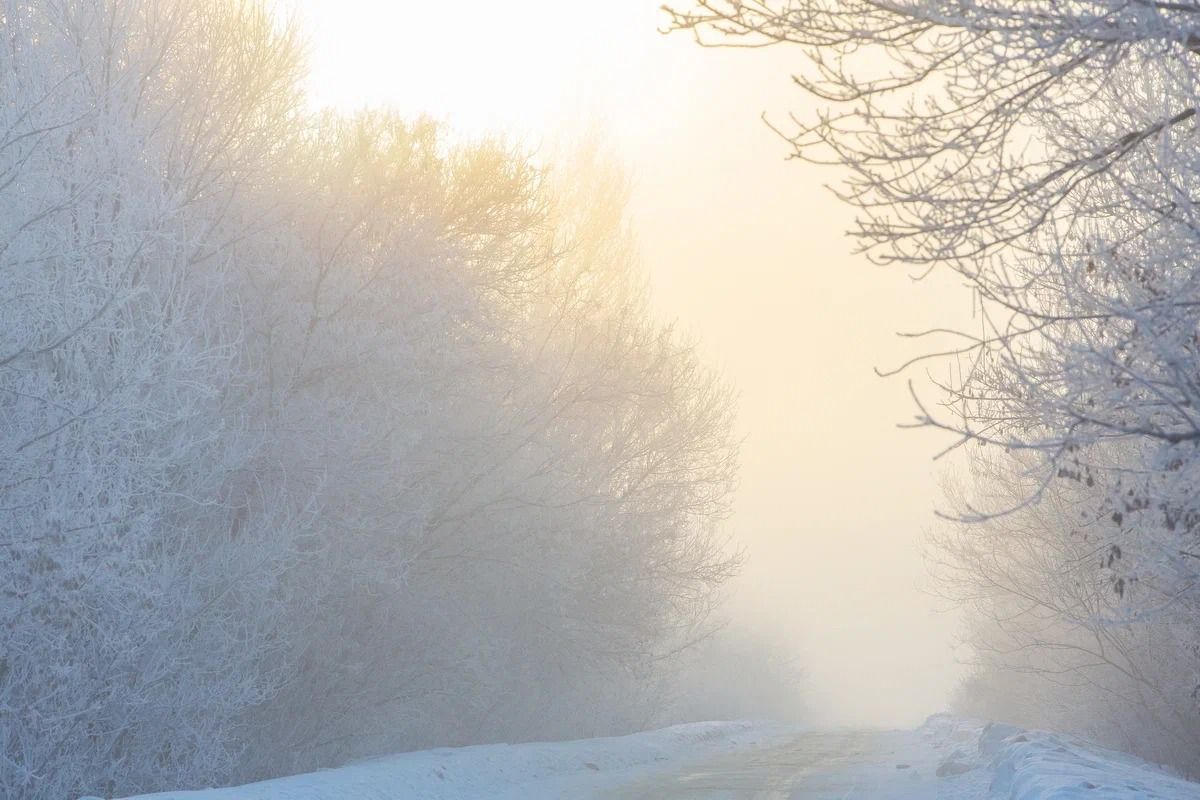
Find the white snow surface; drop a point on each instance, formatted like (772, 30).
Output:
(1011, 763)
(506, 772)
(947, 758)
(1035, 765)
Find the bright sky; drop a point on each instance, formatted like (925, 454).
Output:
(747, 252)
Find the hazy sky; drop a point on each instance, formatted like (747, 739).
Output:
(747, 251)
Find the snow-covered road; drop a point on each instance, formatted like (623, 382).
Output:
(771, 772)
(894, 765)
(944, 759)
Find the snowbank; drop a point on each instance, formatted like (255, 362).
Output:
(526, 771)
(1036, 765)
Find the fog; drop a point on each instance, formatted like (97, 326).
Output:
(384, 376)
(748, 252)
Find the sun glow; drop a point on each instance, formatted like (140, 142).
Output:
(747, 253)
(479, 65)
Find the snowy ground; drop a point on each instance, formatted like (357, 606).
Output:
(946, 758)
(584, 768)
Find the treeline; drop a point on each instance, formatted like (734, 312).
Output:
(1077, 622)
(1045, 151)
(320, 437)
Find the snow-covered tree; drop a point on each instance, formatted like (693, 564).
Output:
(318, 436)
(1043, 151)
(130, 130)
(1054, 645)
(518, 473)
